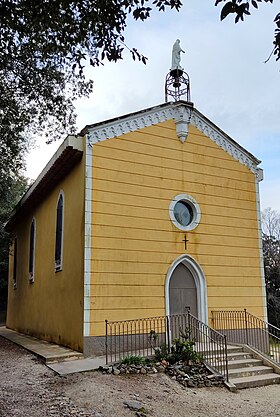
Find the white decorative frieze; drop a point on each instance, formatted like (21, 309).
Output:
(223, 141)
(130, 124)
(183, 115)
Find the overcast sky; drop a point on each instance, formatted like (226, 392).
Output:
(230, 84)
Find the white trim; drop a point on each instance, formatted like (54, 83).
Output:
(130, 123)
(87, 245)
(58, 267)
(224, 141)
(261, 247)
(200, 282)
(195, 208)
(182, 114)
(31, 276)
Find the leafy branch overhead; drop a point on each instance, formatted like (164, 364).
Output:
(242, 8)
(44, 47)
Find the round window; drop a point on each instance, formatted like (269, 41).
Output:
(184, 212)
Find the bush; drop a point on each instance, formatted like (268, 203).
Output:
(162, 352)
(181, 350)
(133, 360)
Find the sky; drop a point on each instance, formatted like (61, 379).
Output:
(230, 83)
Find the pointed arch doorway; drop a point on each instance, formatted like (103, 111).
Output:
(182, 291)
(186, 287)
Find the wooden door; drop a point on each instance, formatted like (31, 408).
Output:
(182, 291)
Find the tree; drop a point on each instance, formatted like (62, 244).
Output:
(44, 46)
(14, 189)
(242, 8)
(271, 252)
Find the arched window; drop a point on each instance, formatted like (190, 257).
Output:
(59, 233)
(15, 264)
(32, 250)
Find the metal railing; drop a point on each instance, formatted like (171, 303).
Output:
(133, 337)
(211, 344)
(243, 327)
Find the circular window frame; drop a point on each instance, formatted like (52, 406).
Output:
(194, 206)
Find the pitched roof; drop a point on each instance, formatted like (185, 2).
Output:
(67, 155)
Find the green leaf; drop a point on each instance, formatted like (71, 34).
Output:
(227, 9)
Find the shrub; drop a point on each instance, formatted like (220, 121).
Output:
(182, 349)
(133, 360)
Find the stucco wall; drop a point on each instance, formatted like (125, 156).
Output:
(134, 242)
(51, 308)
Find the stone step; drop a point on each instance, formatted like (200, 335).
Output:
(256, 380)
(244, 370)
(241, 363)
(238, 356)
(46, 351)
(230, 349)
(234, 356)
(62, 357)
(249, 371)
(234, 348)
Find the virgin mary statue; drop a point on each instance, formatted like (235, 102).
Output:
(176, 55)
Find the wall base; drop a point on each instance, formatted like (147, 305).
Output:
(94, 346)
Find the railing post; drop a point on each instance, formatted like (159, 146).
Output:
(188, 315)
(213, 319)
(106, 341)
(226, 357)
(168, 333)
(190, 329)
(246, 325)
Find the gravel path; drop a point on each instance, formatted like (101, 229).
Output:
(29, 388)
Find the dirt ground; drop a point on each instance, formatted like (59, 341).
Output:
(29, 388)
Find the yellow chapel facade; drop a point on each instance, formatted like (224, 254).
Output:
(139, 216)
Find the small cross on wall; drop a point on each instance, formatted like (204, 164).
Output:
(185, 240)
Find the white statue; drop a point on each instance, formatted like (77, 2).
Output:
(176, 55)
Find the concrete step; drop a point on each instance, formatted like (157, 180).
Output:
(233, 348)
(245, 371)
(230, 349)
(234, 356)
(238, 356)
(62, 357)
(47, 352)
(82, 365)
(256, 380)
(249, 371)
(241, 363)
